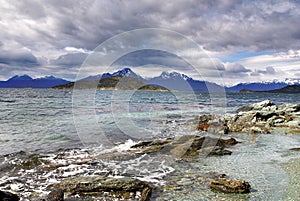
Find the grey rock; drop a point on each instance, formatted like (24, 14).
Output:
(123, 188)
(264, 117)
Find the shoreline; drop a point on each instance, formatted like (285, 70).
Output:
(169, 159)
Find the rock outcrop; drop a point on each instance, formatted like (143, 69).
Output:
(262, 117)
(186, 146)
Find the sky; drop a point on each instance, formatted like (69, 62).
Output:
(246, 41)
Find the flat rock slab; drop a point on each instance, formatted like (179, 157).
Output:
(101, 187)
(186, 146)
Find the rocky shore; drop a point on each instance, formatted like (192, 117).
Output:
(183, 149)
(94, 181)
(107, 186)
(258, 118)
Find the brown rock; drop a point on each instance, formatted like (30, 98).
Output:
(146, 194)
(230, 186)
(203, 126)
(212, 124)
(55, 195)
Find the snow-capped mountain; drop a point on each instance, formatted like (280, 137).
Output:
(25, 81)
(182, 82)
(292, 81)
(173, 76)
(169, 80)
(264, 86)
(127, 72)
(172, 81)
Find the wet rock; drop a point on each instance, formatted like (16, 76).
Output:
(217, 151)
(157, 142)
(152, 146)
(230, 186)
(7, 196)
(122, 188)
(187, 146)
(295, 149)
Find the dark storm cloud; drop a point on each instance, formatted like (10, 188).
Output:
(69, 60)
(151, 57)
(219, 25)
(225, 26)
(31, 8)
(18, 58)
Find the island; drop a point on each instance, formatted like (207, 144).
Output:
(291, 89)
(112, 83)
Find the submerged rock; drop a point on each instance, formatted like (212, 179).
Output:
(230, 186)
(102, 187)
(295, 149)
(7, 196)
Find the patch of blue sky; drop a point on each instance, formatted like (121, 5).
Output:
(242, 55)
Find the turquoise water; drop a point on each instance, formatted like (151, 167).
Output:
(44, 121)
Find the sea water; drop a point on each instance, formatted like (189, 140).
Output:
(43, 122)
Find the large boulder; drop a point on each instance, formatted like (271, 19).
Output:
(230, 186)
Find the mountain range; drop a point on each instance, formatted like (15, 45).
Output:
(25, 81)
(290, 89)
(172, 81)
